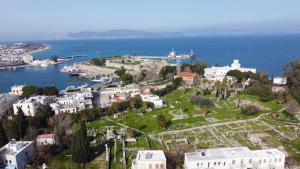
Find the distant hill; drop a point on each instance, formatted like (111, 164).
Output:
(113, 34)
(245, 29)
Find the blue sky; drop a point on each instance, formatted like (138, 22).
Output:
(49, 18)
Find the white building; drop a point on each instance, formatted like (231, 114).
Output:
(73, 100)
(148, 97)
(46, 139)
(16, 154)
(150, 159)
(29, 106)
(17, 90)
(6, 104)
(279, 85)
(237, 158)
(218, 73)
(279, 80)
(115, 94)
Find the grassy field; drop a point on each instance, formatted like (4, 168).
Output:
(178, 104)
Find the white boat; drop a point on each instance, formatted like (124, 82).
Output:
(45, 64)
(68, 69)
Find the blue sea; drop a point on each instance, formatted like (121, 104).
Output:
(266, 53)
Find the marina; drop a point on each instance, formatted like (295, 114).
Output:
(247, 49)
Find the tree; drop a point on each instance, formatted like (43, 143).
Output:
(31, 90)
(98, 61)
(126, 78)
(120, 72)
(167, 70)
(250, 109)
(3, 137)
(10, 129)
(81, 146)
(292, 72)
(50, 91)
(199, 67)
(264, 91)
(21, 123)
(162, 121)
(40, 119)
(175, 156)
(60, 124)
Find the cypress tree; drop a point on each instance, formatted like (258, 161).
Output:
(81, 146)
(3, 137)
(21, 123)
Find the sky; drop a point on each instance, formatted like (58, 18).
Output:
(38, 19)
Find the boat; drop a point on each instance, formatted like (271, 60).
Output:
(98, 80)
(44, 64)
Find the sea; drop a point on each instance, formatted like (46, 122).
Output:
(267, 53)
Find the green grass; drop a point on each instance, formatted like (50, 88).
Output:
(133, 63)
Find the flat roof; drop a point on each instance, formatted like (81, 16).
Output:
(14, 147)
(151, 155)
(229, 153)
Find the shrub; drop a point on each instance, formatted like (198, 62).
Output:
(250, 109)
(198, 100)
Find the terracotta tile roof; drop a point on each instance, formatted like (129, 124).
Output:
(187, 74)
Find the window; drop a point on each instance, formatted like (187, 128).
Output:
(242, 161)
(259, 161)
(279, 160)
(275, 160)
(233, 161)
(197, 164)
(150, 166)
(208, 164)
(265, 160)
(224, 163)
(219, 163)
(162, 166)
(215, 163)
(250, 161)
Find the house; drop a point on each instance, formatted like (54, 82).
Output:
(279, 84)
(236, 157)
(148, 97)
(117, 94)
(188, 77)
(16, 154)
(73, 100)
(17, 90)
(218, 73)
(29, 106)
(46, 139)
(150, 159)
(6, 104)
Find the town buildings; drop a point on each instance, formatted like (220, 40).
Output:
(29, 106)
(73, 100)
(279, 84)
(189, 78)
(237, 158)
(46, 139)
(118, 94)
(218, 73)
(6, 104)
(150, 159)
(17, 90)
(16, 154)
(149, 97)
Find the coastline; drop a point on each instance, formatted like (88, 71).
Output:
(48, 47)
